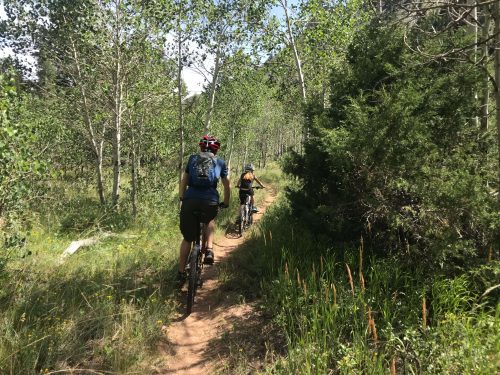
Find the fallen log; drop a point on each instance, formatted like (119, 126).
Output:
(75, 245)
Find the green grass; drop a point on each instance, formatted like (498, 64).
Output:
(101, 308)
(326, 326)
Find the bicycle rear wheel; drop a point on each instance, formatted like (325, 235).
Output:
(192, 278)
(242, 220)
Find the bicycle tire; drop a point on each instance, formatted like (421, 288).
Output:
(192, 278)
(242, 220)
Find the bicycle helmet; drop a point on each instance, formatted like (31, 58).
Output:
(209, 144)
(249, 167)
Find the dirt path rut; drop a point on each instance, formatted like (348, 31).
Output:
(189, 348)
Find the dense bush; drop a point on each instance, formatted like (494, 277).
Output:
(397, 158)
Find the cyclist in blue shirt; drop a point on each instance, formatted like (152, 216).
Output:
(198, 192)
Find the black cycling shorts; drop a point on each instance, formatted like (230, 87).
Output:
(244, 194)
(192, 211)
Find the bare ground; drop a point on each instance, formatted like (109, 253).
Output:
(221, 325)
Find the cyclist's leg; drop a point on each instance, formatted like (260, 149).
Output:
(210, 212)
(188, 229)
(183, 254)
(209, 234)
(243, 196)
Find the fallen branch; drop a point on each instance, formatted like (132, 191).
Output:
(75, 245)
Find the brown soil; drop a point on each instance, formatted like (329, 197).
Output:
(200, 343)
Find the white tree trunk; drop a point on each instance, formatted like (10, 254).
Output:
(291, 40)
(100, 178)
(96, 140)
(474, 29)
(246, 153)
(485, 95)
(179, 97)
(117, 120)
(117, 109)
(496, 13)
(134, 173)
(231, 147)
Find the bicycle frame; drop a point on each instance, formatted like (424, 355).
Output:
(194, 265)
(245, 215)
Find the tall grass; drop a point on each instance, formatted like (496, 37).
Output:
(334, 309)
(103, 308)
(100, 309)
(345, 311)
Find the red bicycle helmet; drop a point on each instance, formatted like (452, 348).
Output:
(209, 143)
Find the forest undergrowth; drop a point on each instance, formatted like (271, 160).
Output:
(101, 309)
(340, 309)
(327, 308)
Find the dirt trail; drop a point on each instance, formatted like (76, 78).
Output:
(189, 347)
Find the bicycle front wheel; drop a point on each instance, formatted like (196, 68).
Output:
(193, 278)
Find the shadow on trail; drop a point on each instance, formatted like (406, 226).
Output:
(248, 334)
(232, 231)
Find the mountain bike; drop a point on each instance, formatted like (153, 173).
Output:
(194, 265)
(246, 213)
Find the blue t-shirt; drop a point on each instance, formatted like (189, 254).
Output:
(208, 193)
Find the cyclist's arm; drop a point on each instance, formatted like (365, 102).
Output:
(183, 185)
(227, 190)
(260, 183)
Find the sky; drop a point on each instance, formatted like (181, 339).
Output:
(194, 81)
